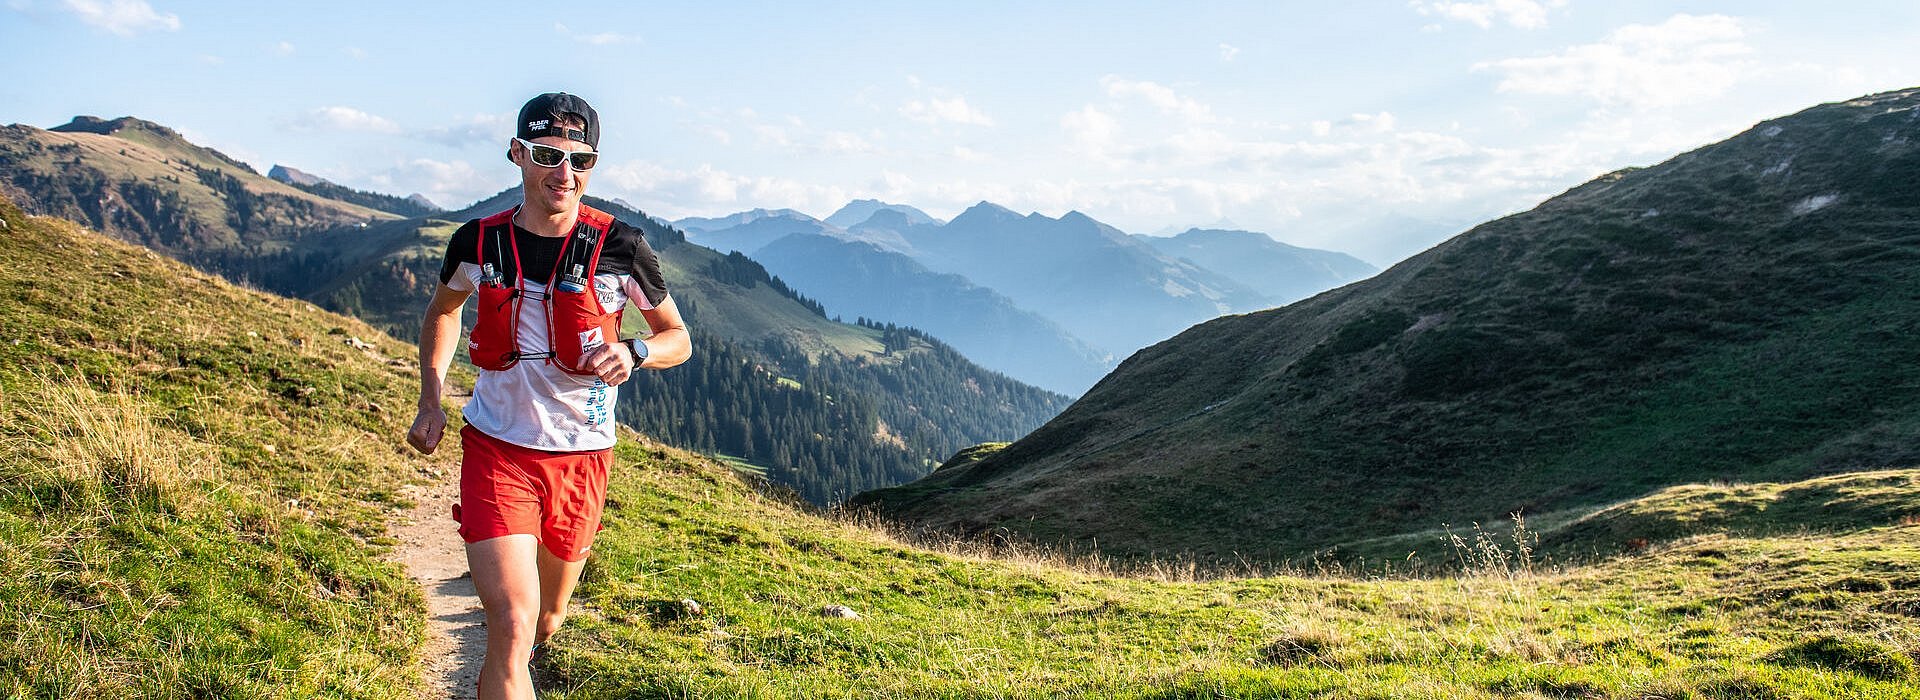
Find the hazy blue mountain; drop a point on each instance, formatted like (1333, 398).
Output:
(859, 210)
(699, 224)
(858, 279)
(1105, 287)
(1284, 273)
(755, 231)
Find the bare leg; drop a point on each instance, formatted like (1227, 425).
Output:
(508, 579)
(557, 579)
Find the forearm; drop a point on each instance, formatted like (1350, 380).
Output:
(668, 348)
(439, 333)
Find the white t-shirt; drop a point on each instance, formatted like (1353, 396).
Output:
(533, 403)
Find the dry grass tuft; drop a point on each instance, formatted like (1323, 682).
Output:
(94, 444)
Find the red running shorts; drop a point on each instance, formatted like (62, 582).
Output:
(506, 489)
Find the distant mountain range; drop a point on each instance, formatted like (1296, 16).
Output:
(860, 210)
(415, 204)
(1281, 272)
(859, 279)
(1053, 302)
(1745, 312)
(826, 408)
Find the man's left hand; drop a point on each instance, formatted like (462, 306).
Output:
(612, 362)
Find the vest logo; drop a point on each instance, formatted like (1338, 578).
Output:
(592, 338)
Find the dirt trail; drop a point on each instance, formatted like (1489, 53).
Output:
(431, 549)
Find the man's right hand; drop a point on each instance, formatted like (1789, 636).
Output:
(428, 426)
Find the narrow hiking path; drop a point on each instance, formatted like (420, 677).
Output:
(430, 548)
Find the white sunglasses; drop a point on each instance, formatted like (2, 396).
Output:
(550, 157)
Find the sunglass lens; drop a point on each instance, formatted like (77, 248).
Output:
(584, 160)
(546, 156)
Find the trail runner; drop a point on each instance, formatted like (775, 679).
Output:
(553, 277)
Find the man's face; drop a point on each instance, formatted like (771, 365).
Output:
(555, 189)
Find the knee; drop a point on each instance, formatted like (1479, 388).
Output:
(549, 623)
(516, 629)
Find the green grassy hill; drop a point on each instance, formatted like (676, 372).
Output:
(195, 481)
(1744, 312)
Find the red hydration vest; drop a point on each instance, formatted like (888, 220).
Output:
(576, 322)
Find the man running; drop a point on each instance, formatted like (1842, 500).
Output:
(552, 276)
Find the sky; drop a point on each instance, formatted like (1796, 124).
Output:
(1373, 128)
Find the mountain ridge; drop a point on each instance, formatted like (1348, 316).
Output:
(1540, 362)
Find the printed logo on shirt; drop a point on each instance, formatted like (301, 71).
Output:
(597, 412)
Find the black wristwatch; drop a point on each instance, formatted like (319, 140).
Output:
(638, 348)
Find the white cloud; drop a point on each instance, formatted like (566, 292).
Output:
(453, 184)
(771, 135)
(719, 135)
(708, 191)
(346, 119)
(1092, 131)
(968, 155)
(1686, 59)
(1228, 52)
(476, 129)
(1381, 122)
(354, 52)
(935, 110)
(596, 38)
(284, 48)
(845, 143)
(1522, 14)
(123, 17)
(1159, 96)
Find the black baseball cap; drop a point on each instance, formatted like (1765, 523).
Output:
(541, 116)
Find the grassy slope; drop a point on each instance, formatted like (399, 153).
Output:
(157, 548)
(194, 485)
(1710, 616)
(1682, 323)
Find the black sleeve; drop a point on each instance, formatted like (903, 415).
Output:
(459, 249)
(645, 265)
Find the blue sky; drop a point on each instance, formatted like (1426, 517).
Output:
(1372, 128)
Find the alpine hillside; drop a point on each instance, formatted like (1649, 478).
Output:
(203, 494)
(1748, 311)
(826, 408)
(144, 183)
